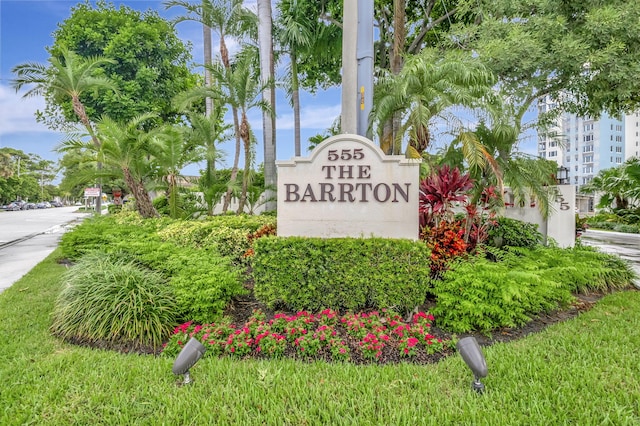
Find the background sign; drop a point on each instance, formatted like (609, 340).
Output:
(92, 192)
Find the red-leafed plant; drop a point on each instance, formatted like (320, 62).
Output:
(439, 191)
(446, 241)
(447, 237)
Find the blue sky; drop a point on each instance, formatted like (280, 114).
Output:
(26, 28)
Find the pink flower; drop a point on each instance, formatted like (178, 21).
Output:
(412, 341)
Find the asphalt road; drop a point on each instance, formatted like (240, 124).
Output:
(627, 246)
(29, 236)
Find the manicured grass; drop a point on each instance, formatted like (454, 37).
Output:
(585, 371)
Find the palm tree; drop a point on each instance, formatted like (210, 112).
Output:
(241, 90)
(501, 164)
(67, 78)
(124, 151)
(170, 153)
(294, 34)
(226, 18)
(207, 132)
(619, 186)
(200, 13)
(267, 75)
(426, 88)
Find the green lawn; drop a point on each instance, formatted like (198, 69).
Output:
(583, 372)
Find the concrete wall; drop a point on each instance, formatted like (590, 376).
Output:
(559, 225)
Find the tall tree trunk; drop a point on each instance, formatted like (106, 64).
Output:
(206, 36)
(208, 62)
(245, 134)
(144, 205)
(79, 109)
(267, 74)
(399, 38)
(236, 160)
(295, 98)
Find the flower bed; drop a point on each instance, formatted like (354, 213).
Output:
(354, 337)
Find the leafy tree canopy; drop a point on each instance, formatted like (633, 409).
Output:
(583, 53)
(150, 62)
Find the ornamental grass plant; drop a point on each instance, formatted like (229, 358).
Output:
(109, 298)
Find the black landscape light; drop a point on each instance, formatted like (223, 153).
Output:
(187, 358)
(472, 354)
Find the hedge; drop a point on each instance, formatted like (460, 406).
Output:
(342, 274)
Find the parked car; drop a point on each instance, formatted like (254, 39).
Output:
(12, 207)
(28, 206)
(56, 203)
(41, 205)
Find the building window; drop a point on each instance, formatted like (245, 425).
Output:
(553, 154)
(618, 160)
(618, 149)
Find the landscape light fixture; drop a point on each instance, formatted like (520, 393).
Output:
(187, 358)
(562, 175)
(472, 354)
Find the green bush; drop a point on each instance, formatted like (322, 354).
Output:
(594, 271)
(107, 297)
(484, 295)
(513, 233)
(629, 229)
(114, 209)
(227, 234)
(204, 282)
(341, 274)
(607, 226)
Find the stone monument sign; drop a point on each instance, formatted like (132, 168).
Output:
(348, 187)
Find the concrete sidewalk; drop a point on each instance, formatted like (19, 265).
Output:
(17, 260)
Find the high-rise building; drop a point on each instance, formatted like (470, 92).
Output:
(585, 145)
(631, 135)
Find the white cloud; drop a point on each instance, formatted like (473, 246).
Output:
(313, 117)
(17, 114)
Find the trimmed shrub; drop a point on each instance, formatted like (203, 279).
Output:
(341, 273)
(232, 241)
(107, 297)
(513, 233)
